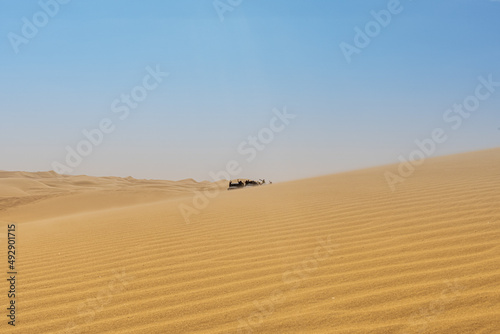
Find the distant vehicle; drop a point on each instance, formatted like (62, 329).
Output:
(238, 184)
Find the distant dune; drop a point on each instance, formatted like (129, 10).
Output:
(52, 195)
(334, 254)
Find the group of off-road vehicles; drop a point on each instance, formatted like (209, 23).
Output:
(241, 183)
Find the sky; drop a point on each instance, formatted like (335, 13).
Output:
(202, 76)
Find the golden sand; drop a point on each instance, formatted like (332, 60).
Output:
(333, 254)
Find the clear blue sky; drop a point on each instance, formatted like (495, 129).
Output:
(226, 77)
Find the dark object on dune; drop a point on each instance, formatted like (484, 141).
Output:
(251, 183)
(235, 185)
(238, 184)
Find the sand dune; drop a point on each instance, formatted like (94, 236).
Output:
(334, 254)
(51, 195)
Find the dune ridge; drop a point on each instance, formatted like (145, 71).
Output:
(332, 254)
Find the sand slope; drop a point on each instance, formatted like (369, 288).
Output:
(335, 254)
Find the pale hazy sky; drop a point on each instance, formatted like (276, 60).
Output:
(226, 77)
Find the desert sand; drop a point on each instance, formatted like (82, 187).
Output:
(333, 254)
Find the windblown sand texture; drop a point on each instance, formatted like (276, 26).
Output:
(334, 254)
